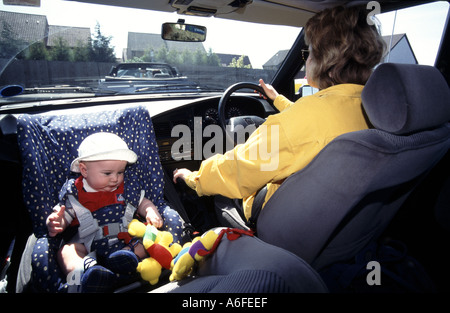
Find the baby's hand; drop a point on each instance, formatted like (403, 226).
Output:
(55, 221)
(154, 217)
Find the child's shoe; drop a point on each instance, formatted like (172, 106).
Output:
(122, 262)
(97, 279)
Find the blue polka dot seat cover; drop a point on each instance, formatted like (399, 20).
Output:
(48, 144)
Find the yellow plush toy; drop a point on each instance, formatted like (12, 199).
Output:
(159, 247)
(137, 228)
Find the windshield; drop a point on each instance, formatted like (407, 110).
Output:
(65, 49)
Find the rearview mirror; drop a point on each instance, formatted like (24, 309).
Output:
(183, 32)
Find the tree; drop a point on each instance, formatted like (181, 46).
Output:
(173, 57)
(239, 63)
(212, 59)
(101, 49)
(81, 53)
(200, 58)
(37, 51)
(61, 51)
(161, 55)
(10, 46)
(186, 57)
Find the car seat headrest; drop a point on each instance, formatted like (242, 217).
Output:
(405, 98)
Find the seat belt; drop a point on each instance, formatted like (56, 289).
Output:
(89, 230)
(257, 207)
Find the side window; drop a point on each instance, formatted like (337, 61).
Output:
(412, 36)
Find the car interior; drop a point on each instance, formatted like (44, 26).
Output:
(380, 194)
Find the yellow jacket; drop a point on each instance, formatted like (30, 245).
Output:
(285, 143)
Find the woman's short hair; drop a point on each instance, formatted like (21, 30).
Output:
(343, 46)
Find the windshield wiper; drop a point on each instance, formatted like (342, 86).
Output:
(45, 93)
(59, 89)
(67, 89)
(182, 87)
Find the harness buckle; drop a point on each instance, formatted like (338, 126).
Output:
(88, 225)
(111, 230)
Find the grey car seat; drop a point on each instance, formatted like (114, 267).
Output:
(350, 192)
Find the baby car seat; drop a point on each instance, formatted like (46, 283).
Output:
(48, 144)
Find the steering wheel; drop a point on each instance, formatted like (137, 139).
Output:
(234, 125)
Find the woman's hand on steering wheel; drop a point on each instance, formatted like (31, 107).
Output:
(271, 93)
(242, 121)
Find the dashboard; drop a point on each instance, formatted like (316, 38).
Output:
(192, 119)
(191, 115)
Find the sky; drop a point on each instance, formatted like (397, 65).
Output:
(423, 25)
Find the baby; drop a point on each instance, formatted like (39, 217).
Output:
(102, 161)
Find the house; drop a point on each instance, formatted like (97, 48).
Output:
(274, 62)
(400, 51)
(141, 43)
(31, 28)
(72, 36)
(226, 59)
(26, 27)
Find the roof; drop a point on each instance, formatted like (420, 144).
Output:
(27, 27)
(395, 39)
(226, 59)
(33, 27)
(276, 59)
(145, 41)
(72, 35)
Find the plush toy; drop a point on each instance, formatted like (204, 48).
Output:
(182, 265)
(137, 228)
(163, 253)
(160, 247)
(200, 247)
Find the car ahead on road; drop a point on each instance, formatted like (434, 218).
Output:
(138, 77)
(376, 208)
(142, 70)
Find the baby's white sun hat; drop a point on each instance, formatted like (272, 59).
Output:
(103, 146)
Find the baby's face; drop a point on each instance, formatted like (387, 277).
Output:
(103, 175)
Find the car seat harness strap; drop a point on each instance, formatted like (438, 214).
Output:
(89, 229)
